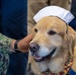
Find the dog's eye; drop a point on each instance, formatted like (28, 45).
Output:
(51, 32)
(35, 30)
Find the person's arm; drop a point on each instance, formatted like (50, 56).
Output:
(7, 43)
(22, 44)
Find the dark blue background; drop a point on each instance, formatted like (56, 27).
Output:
(13, 23)
(14, 18)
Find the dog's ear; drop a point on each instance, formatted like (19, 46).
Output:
(71, 40)
(74, 51)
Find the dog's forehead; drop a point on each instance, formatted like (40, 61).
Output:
(51, 22)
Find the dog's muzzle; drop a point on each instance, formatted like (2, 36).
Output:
(40, 59)
(34, 49)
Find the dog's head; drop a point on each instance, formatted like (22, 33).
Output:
(52, 38)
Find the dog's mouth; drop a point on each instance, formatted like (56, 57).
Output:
(40, 59)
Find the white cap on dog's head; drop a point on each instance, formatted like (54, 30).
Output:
(62, 13)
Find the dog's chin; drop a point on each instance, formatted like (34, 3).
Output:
(38, 58)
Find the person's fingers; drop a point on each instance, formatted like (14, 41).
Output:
(28, 38)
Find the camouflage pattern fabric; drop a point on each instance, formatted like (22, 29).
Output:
(4, 50)
(4, 62)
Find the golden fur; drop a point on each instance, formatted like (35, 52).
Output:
(64, 40)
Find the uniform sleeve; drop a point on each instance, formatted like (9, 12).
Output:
(5, 42)
(4, 53)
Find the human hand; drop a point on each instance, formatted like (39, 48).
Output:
(23, 44)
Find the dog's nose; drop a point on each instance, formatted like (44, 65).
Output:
(34, 47)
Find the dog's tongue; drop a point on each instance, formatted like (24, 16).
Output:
(37, 57)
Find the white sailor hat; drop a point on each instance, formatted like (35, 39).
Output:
(60, 12)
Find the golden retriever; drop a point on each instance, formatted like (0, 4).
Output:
(52, 46)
